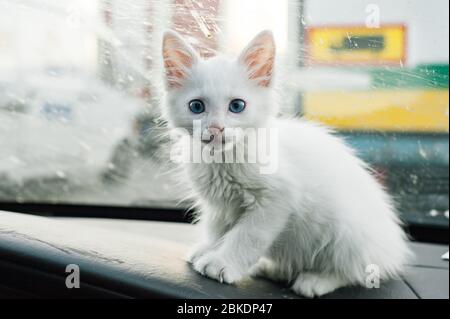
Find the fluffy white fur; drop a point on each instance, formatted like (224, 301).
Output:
(317, 223)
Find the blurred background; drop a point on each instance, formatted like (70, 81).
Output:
(80, 91)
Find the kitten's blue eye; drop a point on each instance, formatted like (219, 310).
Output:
(197, 106)
(237, 106)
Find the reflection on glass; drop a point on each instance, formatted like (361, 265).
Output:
(80, 91)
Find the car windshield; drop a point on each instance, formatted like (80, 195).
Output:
(81, 92)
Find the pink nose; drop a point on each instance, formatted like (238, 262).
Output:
(215, 131)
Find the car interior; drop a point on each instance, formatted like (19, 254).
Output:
(137, 258)
(91, 202)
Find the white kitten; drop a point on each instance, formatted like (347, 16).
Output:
(320, 222)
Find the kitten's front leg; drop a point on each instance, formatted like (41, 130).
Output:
(244, 244)
(211, 234)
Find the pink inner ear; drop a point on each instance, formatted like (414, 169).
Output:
(260, 60)
(177, 60)
(260, 67)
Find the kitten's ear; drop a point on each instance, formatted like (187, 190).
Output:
(259, 58)
(179, 57)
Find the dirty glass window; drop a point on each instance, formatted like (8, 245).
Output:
(81, 86)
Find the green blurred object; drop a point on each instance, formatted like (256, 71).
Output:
(429, 76)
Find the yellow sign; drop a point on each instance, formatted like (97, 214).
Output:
(356, 45)
(389, 110)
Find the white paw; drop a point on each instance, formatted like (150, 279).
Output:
(266, 268)
(214, 266)
(315, 285)
(198, 251)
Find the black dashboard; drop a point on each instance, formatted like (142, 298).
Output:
(145, 259)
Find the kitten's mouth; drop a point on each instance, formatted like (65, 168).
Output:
(214, 140)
